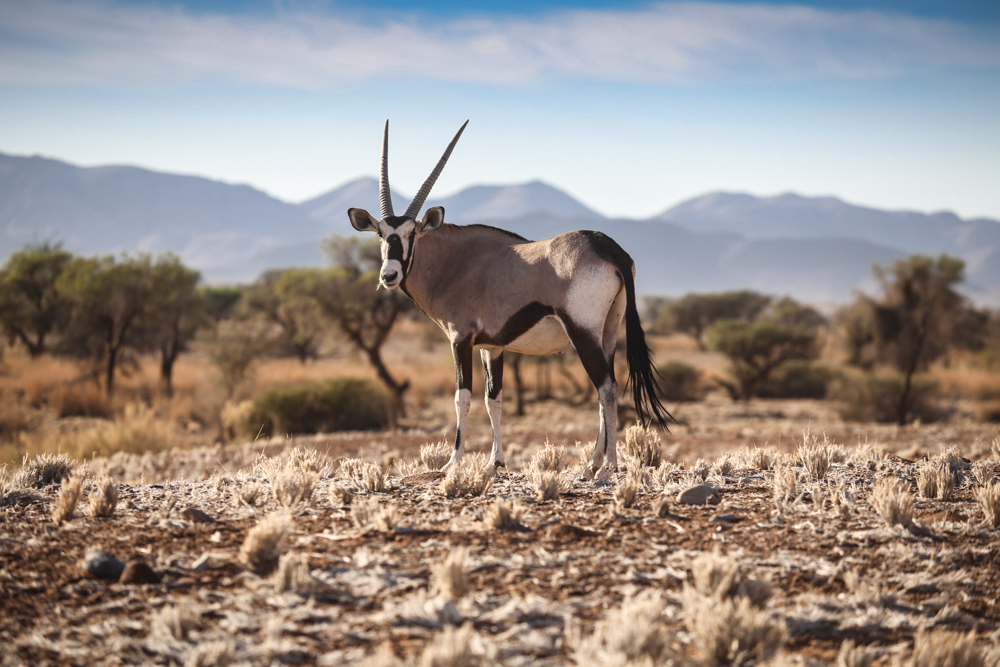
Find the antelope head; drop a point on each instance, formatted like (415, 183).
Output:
(399, 232)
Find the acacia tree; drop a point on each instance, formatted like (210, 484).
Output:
(694, 314)
(755, 350)
(919, 317)
(287, 298)
(176, 312)
(31, 305)
(108, 299)
(350, 296)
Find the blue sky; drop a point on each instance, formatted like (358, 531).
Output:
(630, 107)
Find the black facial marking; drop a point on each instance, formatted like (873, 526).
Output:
(518, 325)
(395, 248)
(395, 221)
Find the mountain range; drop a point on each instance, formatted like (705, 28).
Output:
(816, 249)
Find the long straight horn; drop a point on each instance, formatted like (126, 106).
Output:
(425, 189)
(385, 197)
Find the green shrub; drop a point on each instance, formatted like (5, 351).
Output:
(875, 398)
(797, 379)
(679, 382)
(344, 404)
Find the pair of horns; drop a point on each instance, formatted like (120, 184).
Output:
(385, 197)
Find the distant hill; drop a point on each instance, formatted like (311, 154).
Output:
(817, 249)
(100, 210)
(791, 216)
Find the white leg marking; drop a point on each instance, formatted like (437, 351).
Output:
(463, 399)
(493, 409)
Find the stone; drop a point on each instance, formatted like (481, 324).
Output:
(195, 515)
(699, 494)
(137, 572)
(102, 565)
(725, 518)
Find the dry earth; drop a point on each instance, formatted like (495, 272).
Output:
(582, 579)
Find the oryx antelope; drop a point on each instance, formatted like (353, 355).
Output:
(492, 290)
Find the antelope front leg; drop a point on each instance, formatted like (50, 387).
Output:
(462, 351)
(493, 367)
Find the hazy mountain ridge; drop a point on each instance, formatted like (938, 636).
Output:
(816, 249)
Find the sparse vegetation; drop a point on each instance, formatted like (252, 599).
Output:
(336, 405)
(69, 495)
(892, 501)
(472, 476)
(267, 541)
(103, 497)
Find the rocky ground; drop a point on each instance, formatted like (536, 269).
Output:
(804, 553)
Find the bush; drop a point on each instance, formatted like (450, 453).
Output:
(875, 398)
(797, 379)
(679, 382)
(344, 404)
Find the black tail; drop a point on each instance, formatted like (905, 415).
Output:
(640, 363)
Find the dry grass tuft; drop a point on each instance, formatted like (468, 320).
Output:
(944, 649)
(701, 469)
(548, 484)
(502, 516)
(472, 476)
(293, 575)
(103, 497)
(549, 457)
(757, 458)
(351, 467)
(340, 495)
(217, 653)
(815, 456)
(451, 575)
(435, 456)
(855, 656)
(69, 496)
(372, 478)
(983, 472)
(249, 493)
(266, 541)
(293, 485)
(732, 631)
(176, 621)
(642, 445)
(716, 576)
(725, 464)
(407, 468)
(866, 456)
(785, 484)
(935, 479)
(892, 501)
(627, 490)
(631, 635)
(136, 431)
(367, 512)
(661, 506)
(451, 648)
(988, 497)
(42, 470)
(309, 460)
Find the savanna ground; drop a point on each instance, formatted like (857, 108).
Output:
(818, 543)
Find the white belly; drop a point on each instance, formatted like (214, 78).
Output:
(546, 337)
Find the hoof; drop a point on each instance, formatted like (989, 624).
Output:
(499, 464)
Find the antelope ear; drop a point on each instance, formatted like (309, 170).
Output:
(432, 218)
(362, 220)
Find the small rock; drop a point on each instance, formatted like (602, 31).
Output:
(137, 572)
(700, 494)
(195, 515)
(209, 561)
(725, 518)
(102, 565)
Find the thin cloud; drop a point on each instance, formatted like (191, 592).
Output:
(105, 43)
